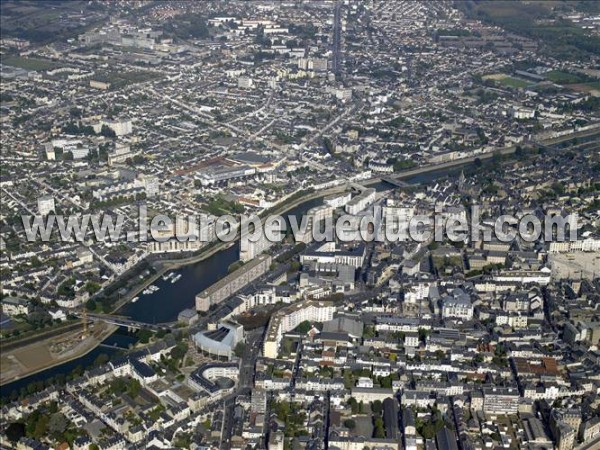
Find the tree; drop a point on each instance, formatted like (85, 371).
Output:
(15, 431)
(379, 428)
(144, 335)
(369, 332)
(349, 423)
(58, 423)
(377, 407)
(427, 430)
(108, 132)
(386, 382)
(134, 388)
(41, 427)
(179, 351)
(353, 405)
(91, 305)
(117, 387)
(161, 333)
(240, 349)
(303, 327)
(101, 359)
(106, 307)
(92, 287)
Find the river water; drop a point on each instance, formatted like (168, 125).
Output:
(165, 304)
(112, 345)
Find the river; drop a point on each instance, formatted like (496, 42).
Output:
(113, 344)
(165, 304)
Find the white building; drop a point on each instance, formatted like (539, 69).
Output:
(458, 305)
(245, 82)
(120, 127)
(541, 276)
(251, 245)
(14, 306)
(361, 201)
(288, 318)
(337, 200)
(311, 222)
(523, 113)
(45, 205)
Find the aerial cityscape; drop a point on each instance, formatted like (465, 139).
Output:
(302, 224)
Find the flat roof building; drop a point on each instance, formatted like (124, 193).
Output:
(233, 282)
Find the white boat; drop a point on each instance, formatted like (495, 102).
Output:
(176, 278)
(166, 276)
(134, 299)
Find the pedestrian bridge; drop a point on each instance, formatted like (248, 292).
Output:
(128, 323)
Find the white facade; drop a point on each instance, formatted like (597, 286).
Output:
(289, 318)
(584, 245)
(337, 200)
(361, 201)
(45, 205)
(457, 307)
(245, 83)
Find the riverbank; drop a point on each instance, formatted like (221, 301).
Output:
(503, 151)
(10, 343)
(218, 256)
(164, 266)
(36, 357)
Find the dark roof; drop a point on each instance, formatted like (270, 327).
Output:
(143, 369)
(446, 439)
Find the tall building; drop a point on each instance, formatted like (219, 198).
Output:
(250, 249)
(361, 201)
(151, 185)
(565, 424)
(120, 127)
(288, 318)
(314, 217)
(232, 283)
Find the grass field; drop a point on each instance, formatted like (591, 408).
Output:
(515, 83)
(507, 80)
(121, 79)
(494, 76)
(560, 77)
(594, 85)
(29, 63)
